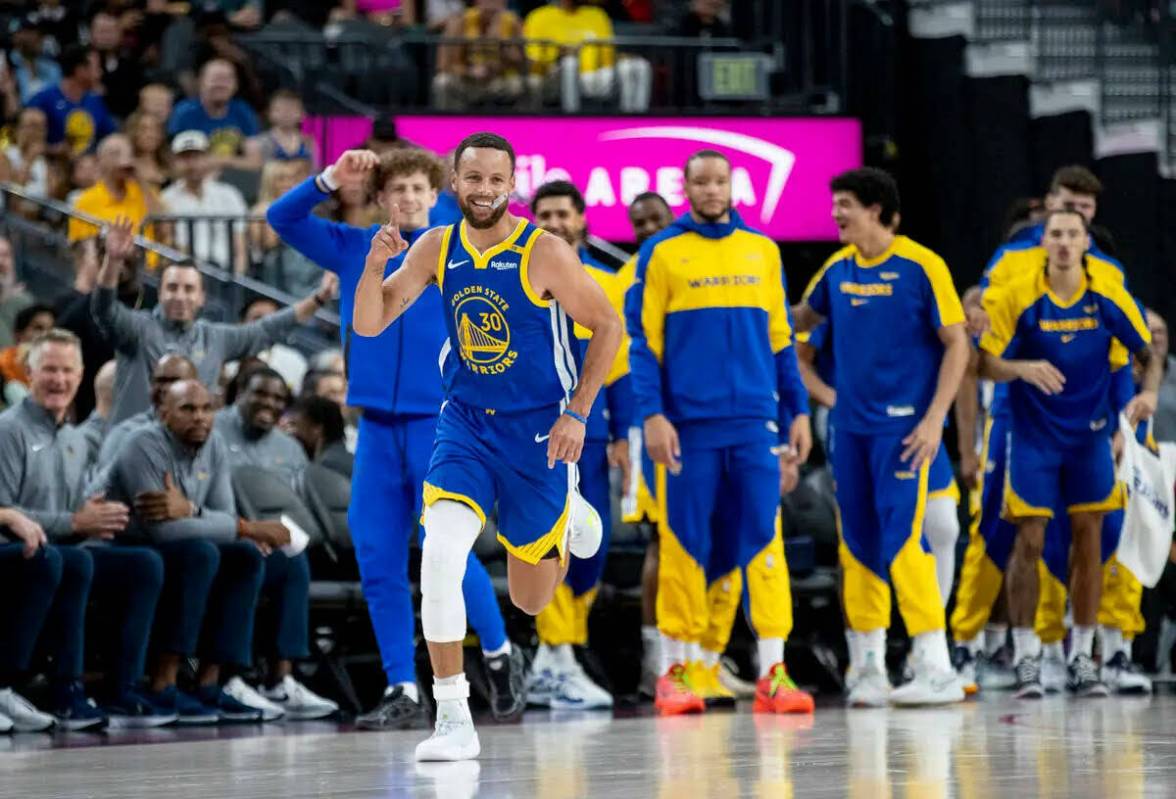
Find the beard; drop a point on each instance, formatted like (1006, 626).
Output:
(712, 218)
(467, 211)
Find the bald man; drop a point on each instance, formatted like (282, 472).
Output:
(117, 193)
(169, 369)
(98, 422)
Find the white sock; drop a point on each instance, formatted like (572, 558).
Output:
(771, 652)
(708, 657)
(564, 656)
(1054, 651)
(853, 640)
(453, 709)
(673, 652)
(930, 651)
(941, 527)
(693, 652)
(1026, 644)
(973, 645)
(650, 643)
(409, 688)
(1111, 642)
(995, 636)
(1081, 641)
(505, 649)
(873, 646)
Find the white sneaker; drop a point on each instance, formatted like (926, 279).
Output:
(22, 714)
(248, 696)
(929, 686)
(868, 686)
(587, 531)
(299, 702)
(543, 677)
(995, 672)
(576, 691)
(1053, 672)
(5, 723)
(1124, 677)
(730, 680)
(454, 736)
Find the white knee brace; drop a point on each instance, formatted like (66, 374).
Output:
(450, 531)
(941, 526)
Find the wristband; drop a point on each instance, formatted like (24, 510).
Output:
(327, 176)
(581, 419)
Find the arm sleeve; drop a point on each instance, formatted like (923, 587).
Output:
(946, 308)
(56, 524)
(1000, 337)
(645, 318)
(241, 341)
(619, 395)
(1125, 320)
(320, 240)
(817, 292)
(120, 324)
(793, 399)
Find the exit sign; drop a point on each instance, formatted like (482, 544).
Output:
(733, 76)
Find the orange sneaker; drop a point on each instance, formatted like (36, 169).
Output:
(674, 695)
(777, 693)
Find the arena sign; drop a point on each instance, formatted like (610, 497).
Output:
(780, 177)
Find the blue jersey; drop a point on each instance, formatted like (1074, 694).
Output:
(509, 350)
(80, 125)
(226, 134)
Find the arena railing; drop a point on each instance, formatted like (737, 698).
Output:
(46, 260)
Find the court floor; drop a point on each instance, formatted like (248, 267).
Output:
(998, 747)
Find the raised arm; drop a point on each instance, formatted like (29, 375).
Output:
(379, 301)
(119, 323)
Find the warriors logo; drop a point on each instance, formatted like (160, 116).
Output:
(483, 335)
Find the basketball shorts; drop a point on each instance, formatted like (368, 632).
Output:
(1043, 476)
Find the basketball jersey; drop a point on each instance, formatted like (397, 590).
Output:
(509, 350)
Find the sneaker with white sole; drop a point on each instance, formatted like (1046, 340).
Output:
(575, 690)
(1124, 676)
(543, 677)
(929, 686)
(299, 702)
(1053, 671)
(454, 737)
(1083, 678)
(995, 672)
(869, 685)
(964, 664)
(5, 724)
(1028, 673)
(21, 712)
(587, 531)
(247, 695)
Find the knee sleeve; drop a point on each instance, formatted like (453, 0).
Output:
(451, 529)
(941, 527)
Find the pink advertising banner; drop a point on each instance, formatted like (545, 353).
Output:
(780, 167)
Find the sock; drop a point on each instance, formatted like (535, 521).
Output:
(873, 647)
(1111, 642)
(453, 709)
(1081, 641)
(1026, 644)
(853, 640)
(708, 657)
(995, 636)
(673, 652)
(1054, 651)
(930, 651)
(693, 652)
(505, 649)
(409, 688)
(771, 652)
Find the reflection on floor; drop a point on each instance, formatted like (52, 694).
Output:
(1122, 748)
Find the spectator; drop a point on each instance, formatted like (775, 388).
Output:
(242, 14)
(31, 322)
(284, 141)
(704, 21)
(248, 426)
(196, 194)
(388, 13)
(1164, 426)
(141, 338)
(326, 383)
(83, 174)
(171, 368)
(484, 66)
(28, 168)
(156, 99)
(117, 193)
(30, 66)
(13, 296)
(564, 26)
(122, 74)
(59, 22)
(317, 423)
(95, 428)
(438, 13)
(352, 205)
(285, 360)
(282, 266)
(43, 466)
(175, 473)
(77, 116)
(149, 148)
(217, 112)
(384, 136)
(330, 360)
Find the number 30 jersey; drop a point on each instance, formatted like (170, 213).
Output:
(509, 350)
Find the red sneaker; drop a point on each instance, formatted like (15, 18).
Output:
(777, 693)
(674, 695)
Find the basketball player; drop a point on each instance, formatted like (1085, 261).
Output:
(393, 380)
(557, 680)
(725, 418)
(900, 348)
(517, 403)
(1051, 336)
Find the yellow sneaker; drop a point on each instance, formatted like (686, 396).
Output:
(704, 680)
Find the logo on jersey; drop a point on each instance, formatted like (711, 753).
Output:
(502, 266)
(1068, 337)
(866, 289)
(483, 335)
(455, 264)
(1068, 325)
(855, 302)
(889, 275)
(1092, 308)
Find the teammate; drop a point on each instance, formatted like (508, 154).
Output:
(557, 679)
(1052, 334)
(900, 348)
(517, 402)
(716, 384)
(393, 379)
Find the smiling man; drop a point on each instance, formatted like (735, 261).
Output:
(249, 427)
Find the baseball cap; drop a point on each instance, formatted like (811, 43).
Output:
(188, 141)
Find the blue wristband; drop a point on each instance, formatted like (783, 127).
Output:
(581, 419)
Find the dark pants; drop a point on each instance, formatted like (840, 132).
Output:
(287, 588)
(126, 590)
(213, 587)
(27, 587)
(64, 639)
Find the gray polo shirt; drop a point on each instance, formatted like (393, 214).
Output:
(42, 467)
(94, 429)
(141, 338)
(202, 475)
(119, 433)
(274, 451)
(1164, 428)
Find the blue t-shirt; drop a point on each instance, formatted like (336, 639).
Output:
(446, 211)
(226, 134)
(81, 125)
